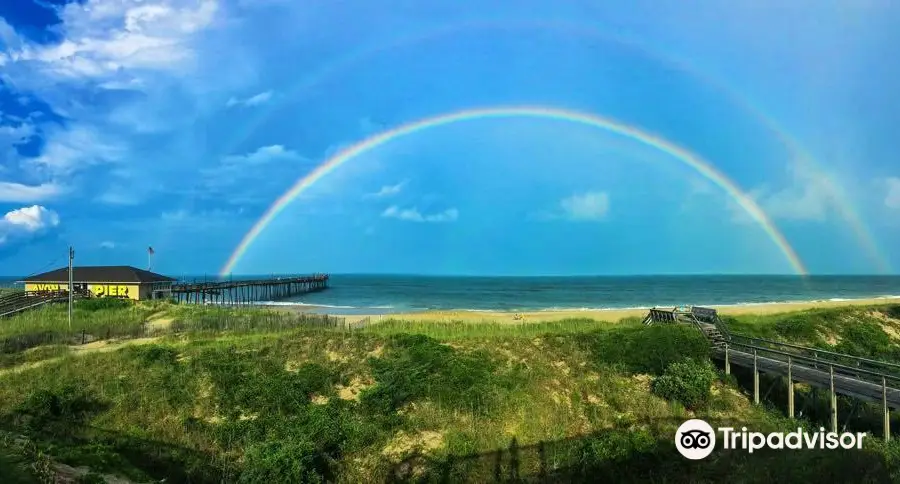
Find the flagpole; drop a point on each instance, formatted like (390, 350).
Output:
(71, 257)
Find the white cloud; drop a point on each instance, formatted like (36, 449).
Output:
(808, 195)
(253, 177)
(124, 69)
(807, 201)
(262, 155)
(579, 207)
(25, 223)
(19, 193)
(255, 100)
(104, 38)
(892, 195)
(106, 244)
(71, 150)
(388, 190)
(589, 206)
(413, 215)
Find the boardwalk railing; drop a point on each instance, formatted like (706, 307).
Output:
(818, 357)
(861, 378)
(17, 302)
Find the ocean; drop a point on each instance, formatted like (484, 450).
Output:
(385, 294)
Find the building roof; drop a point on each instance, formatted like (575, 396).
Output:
(122, 274)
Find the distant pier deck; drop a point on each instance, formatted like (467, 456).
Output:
(237, 292)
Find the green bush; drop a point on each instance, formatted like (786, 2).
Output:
(646, 349)
(153, 354)
(247, 383)
(798, 327)
(418, 367)
(284, 461)
(866, 339)
(687, 382)
(68, 404)
(892, 311)
(101, 303)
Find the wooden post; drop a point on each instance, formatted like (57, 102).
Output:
(887, 411)
(790, 390)
(727, 362)
(755, 379)
(834, 421)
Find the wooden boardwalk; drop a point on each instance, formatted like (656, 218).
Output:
(864, 379)
(857, 386)
(247, 291)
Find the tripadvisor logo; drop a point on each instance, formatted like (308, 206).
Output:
(696, 439)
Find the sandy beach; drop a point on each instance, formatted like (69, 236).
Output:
(611, 315)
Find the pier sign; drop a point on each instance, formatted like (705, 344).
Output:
(44, 287)
(113, 290)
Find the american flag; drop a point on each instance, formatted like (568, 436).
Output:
(150, 250)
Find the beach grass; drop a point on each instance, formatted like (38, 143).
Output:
(247, 395)
(489, 329)
(4, 291)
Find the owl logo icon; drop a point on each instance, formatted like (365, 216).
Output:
(695, 439)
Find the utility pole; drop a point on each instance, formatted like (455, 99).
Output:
(71, 285)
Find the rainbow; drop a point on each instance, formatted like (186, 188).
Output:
(702, 167)
(842, 203)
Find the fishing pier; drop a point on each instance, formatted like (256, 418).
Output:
(243, 291)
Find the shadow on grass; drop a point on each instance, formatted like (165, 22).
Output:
(623, 455)
(129, 456)
(55, 421)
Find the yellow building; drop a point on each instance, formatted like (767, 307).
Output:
(102, 281)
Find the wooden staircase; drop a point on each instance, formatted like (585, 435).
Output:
(705, 319)
(716, 338)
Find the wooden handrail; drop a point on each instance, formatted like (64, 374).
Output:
(816, 350)
(816, 361)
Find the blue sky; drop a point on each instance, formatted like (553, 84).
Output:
(176, 123)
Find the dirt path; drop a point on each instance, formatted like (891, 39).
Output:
(80, 350)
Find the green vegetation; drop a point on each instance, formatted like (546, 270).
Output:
(201, 394)
(4, 291)
(688, 382)
(871, 332)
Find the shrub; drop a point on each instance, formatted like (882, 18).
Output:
(101, 303)
(284, 461)
(646, 349)
(67, 404)
(687, 382)
(154, 353)
(797, 327)
(892, 311)
(418, 367)
(244, 383)
(866, 339)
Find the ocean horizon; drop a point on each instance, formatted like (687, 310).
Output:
(385, 294)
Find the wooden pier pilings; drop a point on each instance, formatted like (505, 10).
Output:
(237, 292)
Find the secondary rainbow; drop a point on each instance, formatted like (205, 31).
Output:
(842, 202)
(693, 161)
